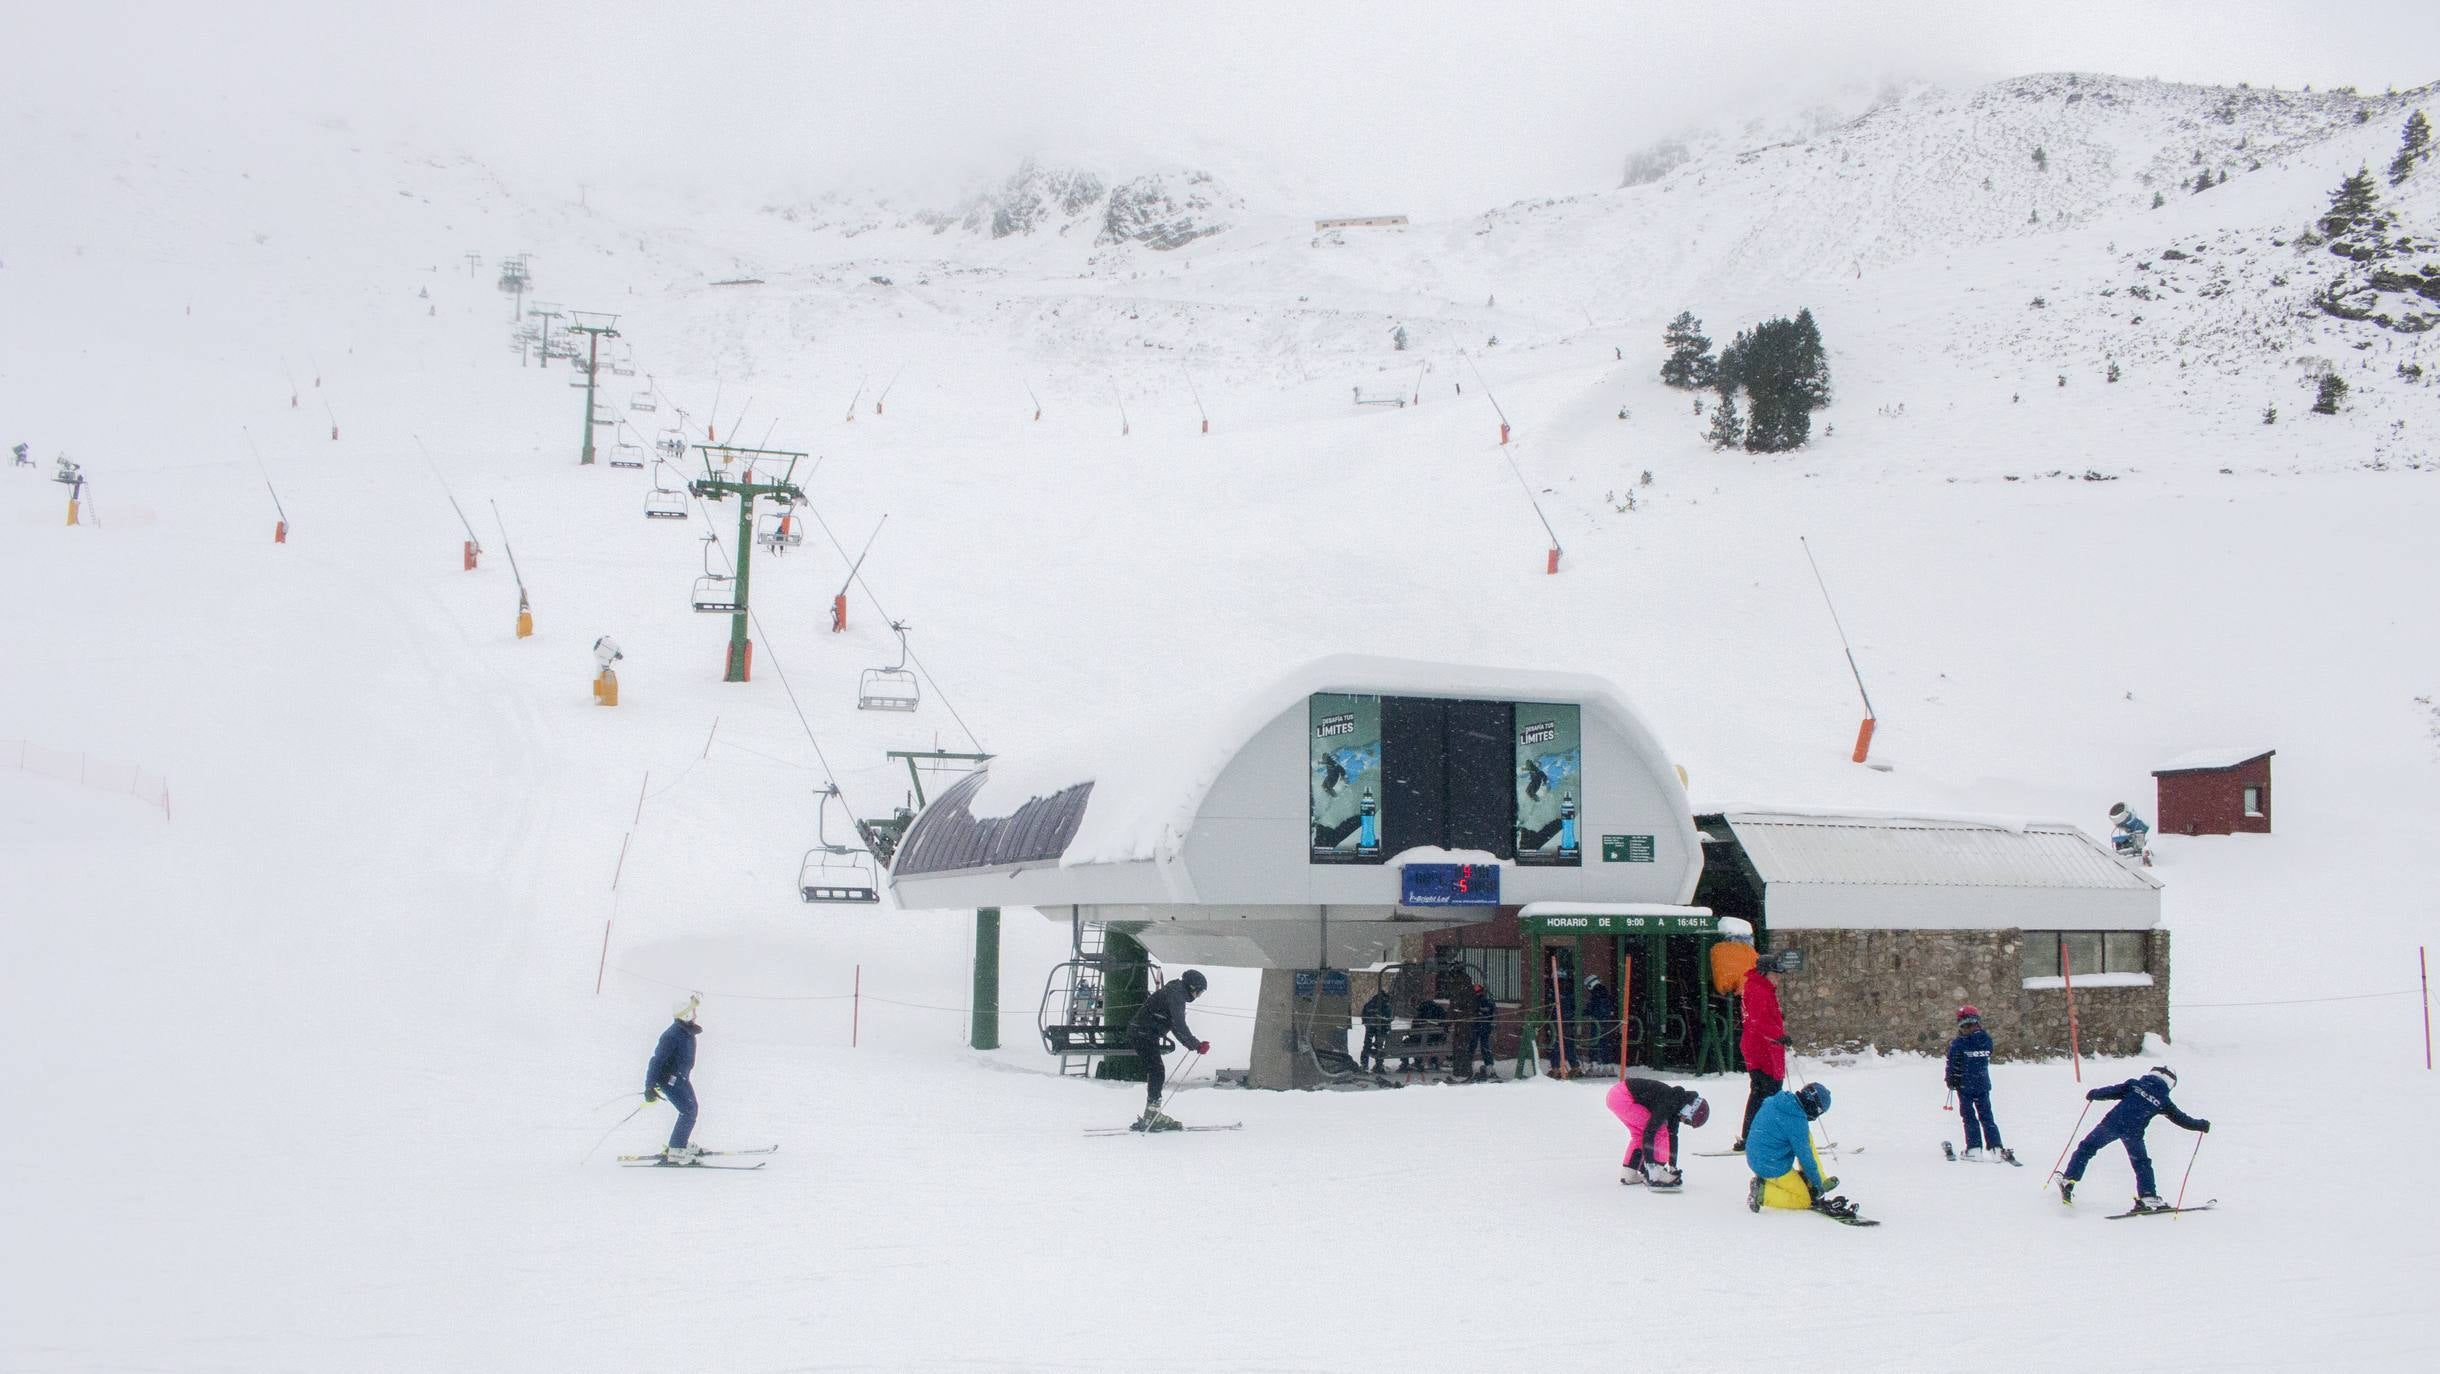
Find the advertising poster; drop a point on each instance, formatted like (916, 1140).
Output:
(1345, 777)
(1550, 762)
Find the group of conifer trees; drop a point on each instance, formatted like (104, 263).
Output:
(1779, 368)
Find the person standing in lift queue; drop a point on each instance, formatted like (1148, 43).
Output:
(1765, 1046)
(1164, 1014)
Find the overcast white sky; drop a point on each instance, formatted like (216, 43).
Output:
(1419, 106)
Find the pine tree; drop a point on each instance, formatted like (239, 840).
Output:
(1689, 363)
(1812, 364)
(2414, 145)
(2041, 159)
(2157, 201)
(2354, 206)
(1727, 426)
(2333, 390)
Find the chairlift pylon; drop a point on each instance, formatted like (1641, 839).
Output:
(892, 688)
(833, 872)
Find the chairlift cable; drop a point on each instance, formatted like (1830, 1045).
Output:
(857, 578)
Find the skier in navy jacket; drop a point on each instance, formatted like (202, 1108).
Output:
(669, 1075)
(1969, 1076)
(2139, 1100)
(1164, 1014)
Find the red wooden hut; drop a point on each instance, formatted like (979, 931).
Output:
(2215, 792)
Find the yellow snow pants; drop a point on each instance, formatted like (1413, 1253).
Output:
(1790, 1189)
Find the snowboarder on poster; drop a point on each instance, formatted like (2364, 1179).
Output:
(1164, 1014)
(1652, 1110)
(1342, 811)
(1779, 1150)
(1546, 811)
(1764, 1043)
(671, 1075)
(2129, 834)
(1969, 1076)
(2139, 1100)
(1378, 1012)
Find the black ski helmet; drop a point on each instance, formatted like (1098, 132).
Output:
(1195, 983)
(1814, 1098)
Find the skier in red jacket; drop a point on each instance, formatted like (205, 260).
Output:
(1765, 1046)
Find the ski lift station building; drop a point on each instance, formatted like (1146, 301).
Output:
(1362, 811)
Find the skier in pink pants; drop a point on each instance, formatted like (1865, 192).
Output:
(1651, 1111)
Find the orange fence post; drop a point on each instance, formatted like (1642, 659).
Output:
(1863, 739)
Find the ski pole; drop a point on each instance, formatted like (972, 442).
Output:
(1946, 1101)
(2071, 1144)
(614, 1129)
(616, 1100)
(2181, 1183)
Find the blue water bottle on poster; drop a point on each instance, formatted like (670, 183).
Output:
(1369, 836)
(1567, 824)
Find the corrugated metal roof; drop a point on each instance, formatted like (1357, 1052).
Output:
(948, 838)
(1898, 852)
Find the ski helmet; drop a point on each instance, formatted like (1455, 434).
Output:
(1814, 1098)
(1968, 1013)
(1736, 928)
(2165, 1074)
(685, 1011)
(1195, 983)
(1695, 1113)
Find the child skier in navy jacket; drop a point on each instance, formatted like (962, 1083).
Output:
(2139, 1100)
(1969, 1076)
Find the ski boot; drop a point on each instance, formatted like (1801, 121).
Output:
(1664, 1178)
(1631, 1177)
(2008, 1157)
(1973, 1154)
(681, 1154)
(2067, 1190)
(2148, 1202)
(1154, 1119)
(1753, 1196)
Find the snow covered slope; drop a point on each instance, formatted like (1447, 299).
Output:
(311, 1066)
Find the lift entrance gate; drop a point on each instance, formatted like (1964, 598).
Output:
(1658, 965)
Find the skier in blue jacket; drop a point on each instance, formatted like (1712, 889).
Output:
(1779, 1149)
(1969, 1076)
(669, 1075)
(2139, 1100)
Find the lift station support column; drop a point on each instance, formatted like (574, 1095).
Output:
(986, 1034)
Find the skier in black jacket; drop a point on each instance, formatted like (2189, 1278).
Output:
(1164, 1014)
(1378, 1011)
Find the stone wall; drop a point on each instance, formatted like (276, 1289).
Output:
(1900, 990)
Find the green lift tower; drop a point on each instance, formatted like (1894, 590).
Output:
(713, 485)
(597, 327)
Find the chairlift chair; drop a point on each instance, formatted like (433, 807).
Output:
(716, 594)
(893, 688)
(643, 401)
(836, 873)
(663, 504)
(779, 529)
(627, 455)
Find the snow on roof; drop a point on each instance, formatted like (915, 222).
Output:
(1148, 783)
(1563, 908)
(1907, 851)
(2199, 760)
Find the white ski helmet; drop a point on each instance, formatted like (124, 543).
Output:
(685, 1011)
(2164, 1073)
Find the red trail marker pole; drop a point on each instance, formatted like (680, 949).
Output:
(855, 1017)
(2423, 966)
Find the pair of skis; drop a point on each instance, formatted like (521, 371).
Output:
(702, 1159)
(1139, 1130)
(2164, 1211)
(1949, 1153)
